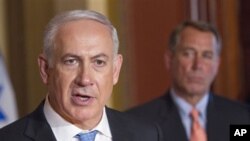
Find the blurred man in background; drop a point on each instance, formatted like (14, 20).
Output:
(189, 111)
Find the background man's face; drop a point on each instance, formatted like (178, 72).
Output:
(195, 62)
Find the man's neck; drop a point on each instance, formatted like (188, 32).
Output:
(191, 98)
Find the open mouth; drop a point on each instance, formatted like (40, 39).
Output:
(82, 99)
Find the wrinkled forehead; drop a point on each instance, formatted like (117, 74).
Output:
(85, 35)
(192, 36)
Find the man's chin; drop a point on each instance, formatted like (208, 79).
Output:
(196, 92)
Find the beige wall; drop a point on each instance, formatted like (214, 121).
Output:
(3, 44)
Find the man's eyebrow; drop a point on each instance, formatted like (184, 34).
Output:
(70, 55)
(100, 55)
(187, 48)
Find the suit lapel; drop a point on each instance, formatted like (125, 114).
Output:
(38, 127)
(117, 126)
(215, 131)
(170, 122)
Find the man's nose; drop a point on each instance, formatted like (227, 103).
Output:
(197, 63)
(84, 75)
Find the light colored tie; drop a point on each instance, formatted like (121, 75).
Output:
(197, 131)
(90, 136)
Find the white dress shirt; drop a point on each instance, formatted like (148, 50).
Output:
(65, 131)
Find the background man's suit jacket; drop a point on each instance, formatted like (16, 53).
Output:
(220, 114)
(34, 127)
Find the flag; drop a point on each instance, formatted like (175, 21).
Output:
(8, 109)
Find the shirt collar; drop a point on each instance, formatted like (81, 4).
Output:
(103, 126)
(64, 130)
(185, 108)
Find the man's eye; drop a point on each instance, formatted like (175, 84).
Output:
(100, 63)
(70, 61)
(208, 55)
(188, 53)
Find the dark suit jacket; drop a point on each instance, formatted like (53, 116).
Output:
(220, 114)
(34, 127)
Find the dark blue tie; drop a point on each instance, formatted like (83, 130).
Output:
(90, 136)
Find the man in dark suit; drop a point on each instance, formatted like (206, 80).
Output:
(79, 65)
(189, 110)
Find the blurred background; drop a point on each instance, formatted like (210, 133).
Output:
(144, 27)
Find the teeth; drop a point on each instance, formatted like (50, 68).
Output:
(84, 98)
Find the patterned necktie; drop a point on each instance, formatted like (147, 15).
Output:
(197, 131)
(90, 136)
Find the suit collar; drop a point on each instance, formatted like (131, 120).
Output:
(169, 105)
(171, 121)
(37, 126)
(214, 117)
(118, 128)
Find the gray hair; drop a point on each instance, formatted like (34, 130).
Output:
(199, 25)
(59, 20)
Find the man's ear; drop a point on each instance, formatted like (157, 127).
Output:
(43, 68)
(117, 68)
(217, 67)
(168, 58)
